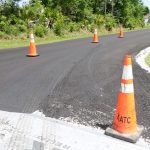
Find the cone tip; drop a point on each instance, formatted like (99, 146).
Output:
(127, 60)
(128, 56)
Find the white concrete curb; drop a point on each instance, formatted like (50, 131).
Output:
(36, 132)
(140, 59)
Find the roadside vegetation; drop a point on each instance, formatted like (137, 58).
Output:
(53, 20)
(147, 60)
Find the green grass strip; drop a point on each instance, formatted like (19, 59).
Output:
(147, 60)
(18, 42)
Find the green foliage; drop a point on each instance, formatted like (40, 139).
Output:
(146, 10)
(2, 34)
(147, 60)
(91, 27)
(110, 22)
(99, 20)
(3, 18)
(130, 13)
(3, 26)
(59, 28)
(72, 27)
(22, 28)
(12, 30)
(40, 31)
(69, 15)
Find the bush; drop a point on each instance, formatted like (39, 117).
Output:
(3, 25)
(21, 22)
(45, 30)
(22, 28)
(2, 34)
(59, 28)
(3, 18)
(11, 30)
(40, 31)
(131, 23)
(91, 27)
(110, 22)
(14, 30)
(73, 27)
(99, 20)
(7, 29)
(88, 15)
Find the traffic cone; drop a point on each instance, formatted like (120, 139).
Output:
(95, 37)
(124, 125)
(121, 32)
(32, 47)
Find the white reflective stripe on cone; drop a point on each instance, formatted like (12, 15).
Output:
(95, 31)
(127, 88)
(31, 36)
(32, 40)
(127, 72)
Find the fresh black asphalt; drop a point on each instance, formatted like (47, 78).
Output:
(75, 80)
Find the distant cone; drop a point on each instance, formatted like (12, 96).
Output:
(32, 47)
(124, 125)
(95, 37)
(121, 32)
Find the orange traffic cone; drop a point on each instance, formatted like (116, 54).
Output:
(32, 47)
(95, 37)
(124, 126)
(121, 32)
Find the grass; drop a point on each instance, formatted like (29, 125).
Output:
(51, 37)
(147, 60)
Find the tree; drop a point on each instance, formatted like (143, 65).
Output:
(71, 14)
(146, 10)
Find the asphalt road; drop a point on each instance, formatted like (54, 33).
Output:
(75, 80)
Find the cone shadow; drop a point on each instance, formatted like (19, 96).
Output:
(103, 126)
